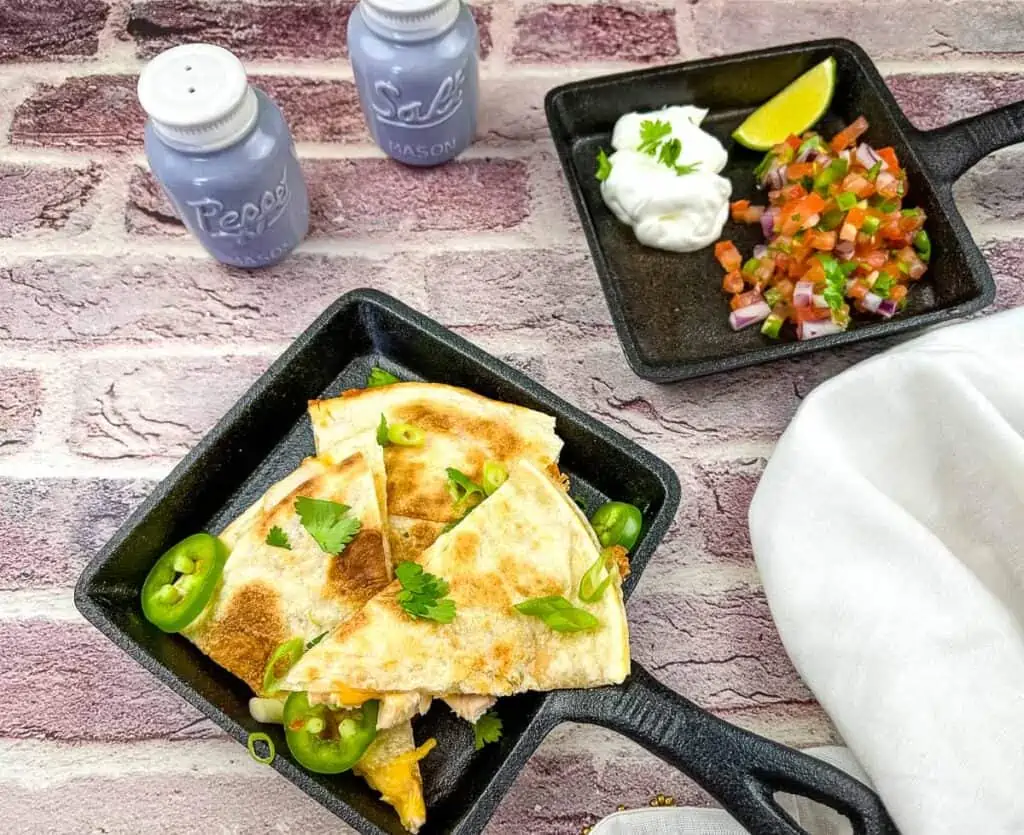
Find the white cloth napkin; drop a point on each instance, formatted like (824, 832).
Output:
(888, 529)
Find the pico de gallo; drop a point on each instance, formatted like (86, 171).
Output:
(836, 236)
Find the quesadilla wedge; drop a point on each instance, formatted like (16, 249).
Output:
(525, 542)
(271, 593)
(461, 430)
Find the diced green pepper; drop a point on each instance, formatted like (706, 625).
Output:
(870, 225)
(834, 173)
(846, 201)
(923, 245)
(772, 326)
(751, 266)
(832, 219)
(772, 296)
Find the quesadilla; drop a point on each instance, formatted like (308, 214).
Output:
(526, 541)
(462, 430)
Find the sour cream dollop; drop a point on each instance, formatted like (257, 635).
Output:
(668, 210)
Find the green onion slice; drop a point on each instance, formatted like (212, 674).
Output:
(259, 736)
(282, 659)
(494, 476)
(404, 434)
(380, 377)
(558, 613)
(597, 578)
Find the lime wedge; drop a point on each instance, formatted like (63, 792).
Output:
(791, 111)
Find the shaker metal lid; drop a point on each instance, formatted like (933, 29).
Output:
(198, 97)
(410, 18)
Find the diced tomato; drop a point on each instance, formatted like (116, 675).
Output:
(753, 214)
(799, 170)
(856, 217)
(728, 256)
(794, 142)
(815, 272)
(789, 225)
(875, 259)
(898, 292)
(848, 135)
(887, 185)
(858, 291)
(848, 232)
(911, 223)
(859, 185)
(793, 192)
(739, 210)
(810, 314)
(813, 203)
(889, 155)
(825, 241)
(785, 287)
(894, 233)
(745, 299)
(733, 282)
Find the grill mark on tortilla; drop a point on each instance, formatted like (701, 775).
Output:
(251, 627)
(497, 436)
(360, 571)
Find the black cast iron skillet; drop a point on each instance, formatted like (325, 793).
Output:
(668, 308)
(266, 434)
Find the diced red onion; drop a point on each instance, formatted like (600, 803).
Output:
(819, 301)
(845, 249)
(867, 157)
(805, 154)
(760, 251)
(768, 222)
(812, 330)
(884, 181)
(749, 315)
(803, 294)
(870, 302)
(776, 178)
(887, 308)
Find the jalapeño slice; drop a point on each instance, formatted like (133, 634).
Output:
(324, 740)
(182, 582)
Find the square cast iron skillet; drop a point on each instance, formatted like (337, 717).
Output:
(265, 436)
(669, 310)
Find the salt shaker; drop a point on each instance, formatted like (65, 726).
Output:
(224, 156)
(415, 66)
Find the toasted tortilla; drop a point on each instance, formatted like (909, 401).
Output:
(267, 594)
(463, 430)
(527, 540)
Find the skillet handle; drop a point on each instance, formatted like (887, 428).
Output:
(950, 150)
(738, 768)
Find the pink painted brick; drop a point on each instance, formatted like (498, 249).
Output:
(93, 690)
(1004, 258)
(254, 802)
(719, 648)
(538, 801)
(102, 111)
(989, 190)
(149, 408)
(74, 517)
(20, 408)
(44, 30)
(933, 100)
(93, 111)
(67, 301)
(473, 195)
(36, 199)
(512, 289)
(564, 32)
(722, 506)
(928, 28)
(315, 30)
(251, 30)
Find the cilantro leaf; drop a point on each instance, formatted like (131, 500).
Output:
(651, 133)
(380, 377)
(327, 522)
(835, 282)
(423, 594)
(487, 729)
(382, 432)
(278, 538)
(604, 166)
(670, 152)
(687, 169)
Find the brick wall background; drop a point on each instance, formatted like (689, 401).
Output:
(111, 321)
